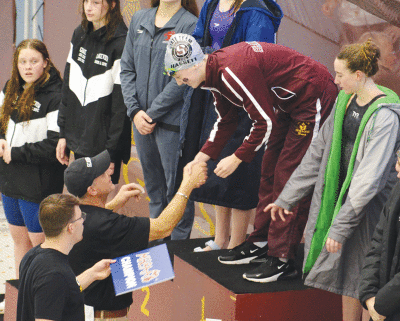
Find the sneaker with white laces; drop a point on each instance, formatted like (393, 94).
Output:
(272, 270)
(243, 253)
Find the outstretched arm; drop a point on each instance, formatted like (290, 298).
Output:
(163, 225)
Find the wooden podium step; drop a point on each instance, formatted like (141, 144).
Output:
(204, 289)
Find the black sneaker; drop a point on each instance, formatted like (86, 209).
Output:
(272, 270)
(243, 253)
(260, 259)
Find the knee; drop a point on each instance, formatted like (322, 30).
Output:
(21, 239)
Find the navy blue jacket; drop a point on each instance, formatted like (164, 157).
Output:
(255, 21)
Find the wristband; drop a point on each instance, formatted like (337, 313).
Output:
(80, 286)
(181, 194)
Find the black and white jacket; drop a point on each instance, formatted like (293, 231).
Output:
(380, 277)
(34, 171)
(92, 112)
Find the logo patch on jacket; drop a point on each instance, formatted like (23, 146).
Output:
(88, 162)
(101, 59)
(255, 46)
(82, 55)
(168, 36)
(302, 128)
(36, 106)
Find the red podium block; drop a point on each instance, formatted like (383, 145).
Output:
(153, 303)
(10, 311)
(203, 293)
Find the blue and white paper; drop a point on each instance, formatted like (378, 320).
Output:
(141, 269)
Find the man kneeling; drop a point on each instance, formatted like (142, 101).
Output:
(108, 234)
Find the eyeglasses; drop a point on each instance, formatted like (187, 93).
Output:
(83, 217)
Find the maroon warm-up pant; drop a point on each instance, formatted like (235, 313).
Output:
(288, 143)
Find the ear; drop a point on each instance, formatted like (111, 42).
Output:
(360, 75)
(70, 228)
(46, 62)
(91, 191)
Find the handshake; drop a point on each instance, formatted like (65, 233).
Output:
(194, 176)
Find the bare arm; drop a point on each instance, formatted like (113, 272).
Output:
(125, 193)
(163, 225)
(99, 271)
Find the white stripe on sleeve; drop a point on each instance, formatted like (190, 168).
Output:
(256, 105)
(317, 118)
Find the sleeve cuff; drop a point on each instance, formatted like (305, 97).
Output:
(337, 237)
(283, 204)
(133, 114)
(61, 134)
(112, 154)
(246, 157)
(365, 298)
(15, 154)
(211, 150)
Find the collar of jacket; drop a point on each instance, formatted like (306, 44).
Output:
(149, 25)
(212, 74)
(96, 34)
(100, 34)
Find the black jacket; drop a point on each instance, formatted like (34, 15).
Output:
(380, 276)
(34, 171)
(92, 112)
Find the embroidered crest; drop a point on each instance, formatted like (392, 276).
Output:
(36, 106)
(82, 55)
(302, 128)
(101, 59)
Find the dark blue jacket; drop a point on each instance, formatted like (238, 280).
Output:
(255, 21)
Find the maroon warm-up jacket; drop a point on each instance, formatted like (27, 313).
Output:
(261, 78)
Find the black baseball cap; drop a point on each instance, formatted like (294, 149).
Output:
(81, 173)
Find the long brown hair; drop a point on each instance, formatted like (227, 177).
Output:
(361, 56)
(113, 17)
(236, 5)
(20, 99)
(189, 5)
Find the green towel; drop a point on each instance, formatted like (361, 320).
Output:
(332, 198)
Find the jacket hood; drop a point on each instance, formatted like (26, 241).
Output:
(393, 106)
(121, 31)
(269, 7)
(391, 101)
(53, 84)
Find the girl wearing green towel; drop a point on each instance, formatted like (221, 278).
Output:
(350, 167)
